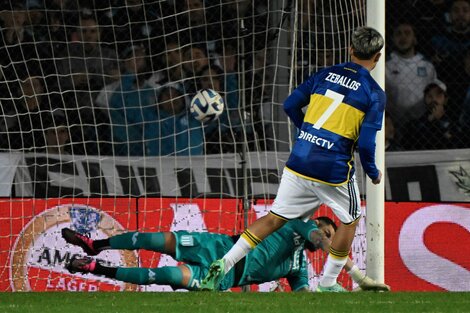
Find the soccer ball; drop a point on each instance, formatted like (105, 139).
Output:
(207, 105)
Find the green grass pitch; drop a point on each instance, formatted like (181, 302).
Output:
(208, 302)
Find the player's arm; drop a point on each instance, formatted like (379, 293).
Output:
(366, 143)
(298, 99)
(366, 147)
(365, 282)
(310, 232)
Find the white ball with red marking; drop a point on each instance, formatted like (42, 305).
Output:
(207, 105)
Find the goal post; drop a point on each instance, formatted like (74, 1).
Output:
(375, 194)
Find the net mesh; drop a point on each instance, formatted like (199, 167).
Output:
(95, 114)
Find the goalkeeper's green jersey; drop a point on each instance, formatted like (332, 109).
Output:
(280, 255)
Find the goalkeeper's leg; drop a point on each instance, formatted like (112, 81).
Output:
(249, 239)
(159, 242)
(163, 242)
(175, 276)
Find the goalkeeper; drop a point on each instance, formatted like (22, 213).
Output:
(281, 255)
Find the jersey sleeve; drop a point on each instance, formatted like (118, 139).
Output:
(298, 99)
(366, 146)
(303, 228)
(374, 116)
(299, 279)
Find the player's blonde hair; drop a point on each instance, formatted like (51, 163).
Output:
(366, 42)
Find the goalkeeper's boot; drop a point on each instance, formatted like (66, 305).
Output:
(80, 240)
(81, 265)
(215, 276)
(335, 288)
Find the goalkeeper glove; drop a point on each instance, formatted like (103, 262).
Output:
(366, 283)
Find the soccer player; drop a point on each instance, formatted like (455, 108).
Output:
(345, 110)
(280, 255)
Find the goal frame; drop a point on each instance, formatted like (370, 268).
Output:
(375, 202)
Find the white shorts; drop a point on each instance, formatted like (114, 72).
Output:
(298, 197)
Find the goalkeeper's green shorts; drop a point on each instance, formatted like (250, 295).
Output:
(199, 250)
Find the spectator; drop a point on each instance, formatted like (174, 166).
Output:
(224, 18)
(21, 122)
(132, 108)
(429, 16)
(211, 77)
(18, 52)
(60, 4)
(56, 134)
(135, 23)
(314, 53)
(69, 11)
(464, 120)
(189, 20)
(171, 65)
(89, 124)
(391, 144)
(57, 34)
(407, 74)
(195, 58)
(449, 49)
(232, 116)
(100, 62)
(35, 20)
(104, 95)
(433, 130)
(220, 136)
(257, 95)
(180, 133)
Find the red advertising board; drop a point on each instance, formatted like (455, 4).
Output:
(33, 254)
(427, 246)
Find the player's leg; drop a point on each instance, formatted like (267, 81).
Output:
(175, 276)
(163, 242)
(345, 203)
(252, 236)
(293, 200)
(337, 257)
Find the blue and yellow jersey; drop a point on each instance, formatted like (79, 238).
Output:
(340, 99)
(280, 255)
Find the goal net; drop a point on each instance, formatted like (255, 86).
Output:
(97, 135)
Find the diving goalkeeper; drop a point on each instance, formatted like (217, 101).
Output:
(280, 255)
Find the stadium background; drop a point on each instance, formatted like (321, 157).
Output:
(85, 124)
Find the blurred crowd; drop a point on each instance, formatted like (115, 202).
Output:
(115, 77)
(428, 75)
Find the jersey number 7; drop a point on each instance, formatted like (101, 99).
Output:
(337, 99)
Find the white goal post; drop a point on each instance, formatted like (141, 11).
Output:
(376, 193)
